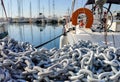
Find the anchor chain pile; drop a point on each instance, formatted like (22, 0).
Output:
(82, 62)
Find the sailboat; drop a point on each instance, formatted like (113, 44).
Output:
(100, 27)
(52, 19)
(41, 19)
(3, 29)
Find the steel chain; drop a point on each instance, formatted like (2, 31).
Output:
(81, 62)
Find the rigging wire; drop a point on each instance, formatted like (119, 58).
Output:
(2, 3)
(11, 7)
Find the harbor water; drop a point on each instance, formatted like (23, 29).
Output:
(36, 34)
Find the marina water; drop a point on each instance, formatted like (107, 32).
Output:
(36, 34)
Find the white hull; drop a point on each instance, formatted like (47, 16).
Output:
(113, 38)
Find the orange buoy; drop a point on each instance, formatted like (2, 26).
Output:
(85, 11)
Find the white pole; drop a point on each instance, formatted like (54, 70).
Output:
(73, 6)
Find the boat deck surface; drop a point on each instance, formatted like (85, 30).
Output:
(113, 38)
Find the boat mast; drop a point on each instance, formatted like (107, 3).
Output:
(49, 8)
(73, 6)
(2, 13)
(68, 17)
(8, 9)
(19, 12)
(22, 7)
(11, 7)
(43, 10)
(30, 12)
(39, 6)
(53, 8)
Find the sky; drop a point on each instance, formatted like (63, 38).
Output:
(61, 7)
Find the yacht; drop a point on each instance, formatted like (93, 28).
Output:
(52, 19)
(19, 20)
(95, 29)
(41, 19)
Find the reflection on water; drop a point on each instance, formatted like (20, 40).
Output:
(35, 34)
(41, 26)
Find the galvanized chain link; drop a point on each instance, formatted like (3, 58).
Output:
(81, 62)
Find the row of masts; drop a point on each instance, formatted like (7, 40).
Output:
(20, 8)
(40, 10)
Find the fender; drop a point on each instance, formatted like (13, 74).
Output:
(85, 11)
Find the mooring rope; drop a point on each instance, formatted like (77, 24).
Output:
(48, 41)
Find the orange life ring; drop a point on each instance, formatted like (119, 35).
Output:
(87, 12)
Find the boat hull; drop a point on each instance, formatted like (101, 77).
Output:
(3, 31)
(112, 38)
